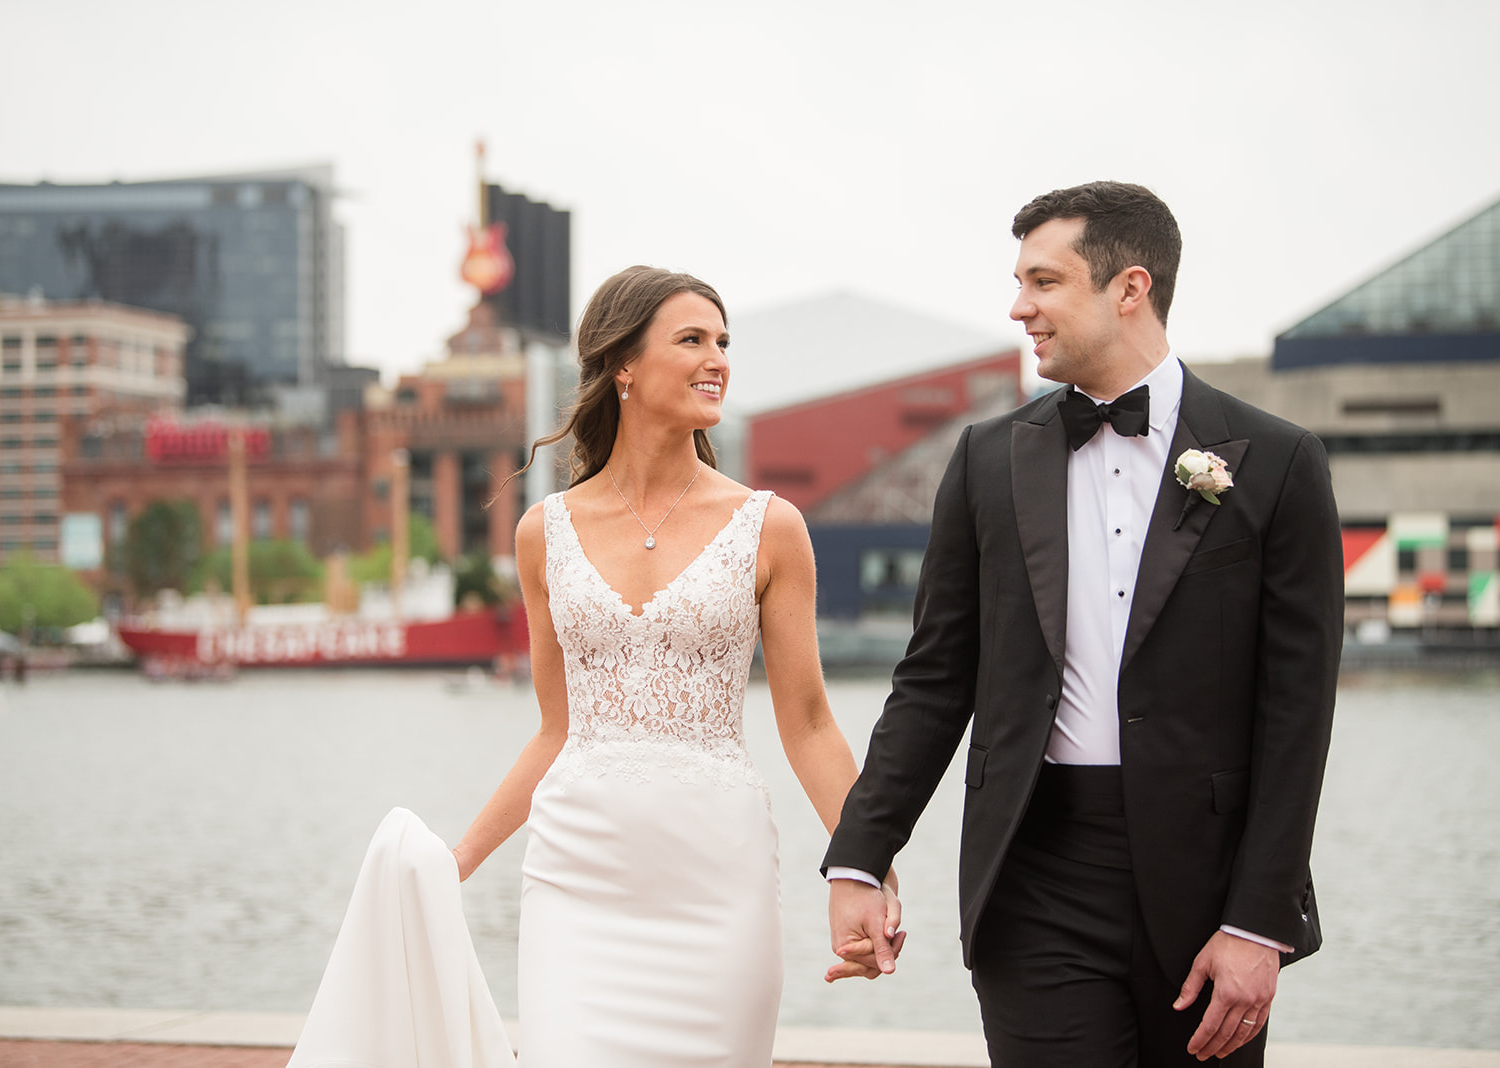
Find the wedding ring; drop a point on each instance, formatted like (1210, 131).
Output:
(1248, 1022)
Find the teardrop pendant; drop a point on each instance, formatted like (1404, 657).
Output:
(650, 542)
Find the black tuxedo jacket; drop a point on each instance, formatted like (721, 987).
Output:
(1226, 684)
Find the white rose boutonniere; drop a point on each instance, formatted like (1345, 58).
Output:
(1205, 476)
(1204, 472)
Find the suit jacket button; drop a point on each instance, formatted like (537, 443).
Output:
(1051, 701)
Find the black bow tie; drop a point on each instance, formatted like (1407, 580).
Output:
(1128, 414)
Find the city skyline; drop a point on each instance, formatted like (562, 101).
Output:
(782, 152)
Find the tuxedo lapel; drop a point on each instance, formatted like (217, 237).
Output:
(1171, 535)
(1039, 494)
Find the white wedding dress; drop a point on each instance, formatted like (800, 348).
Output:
(650, 904)
(403, 988)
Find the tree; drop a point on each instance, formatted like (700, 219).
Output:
(281, 572)
(474, 578)
(57, 597)
(375, 565)
(162, 547)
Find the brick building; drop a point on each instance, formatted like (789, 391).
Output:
(461, 421)
(62, 363)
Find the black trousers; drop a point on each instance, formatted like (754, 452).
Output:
(1065, 974)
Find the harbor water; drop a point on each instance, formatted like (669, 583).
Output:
(192, 846)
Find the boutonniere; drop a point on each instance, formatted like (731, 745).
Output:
(1204, 476)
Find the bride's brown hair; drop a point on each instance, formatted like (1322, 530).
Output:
(610, 335)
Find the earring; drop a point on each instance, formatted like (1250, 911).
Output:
(625, 393)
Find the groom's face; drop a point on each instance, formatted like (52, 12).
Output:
(1072, 326)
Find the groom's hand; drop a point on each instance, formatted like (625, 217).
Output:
(1244, 975)
(865, 927)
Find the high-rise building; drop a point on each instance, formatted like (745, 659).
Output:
(538, 238)
(63, 363)
(251, 262)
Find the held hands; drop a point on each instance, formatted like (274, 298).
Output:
(1244, 975)
(865, 925)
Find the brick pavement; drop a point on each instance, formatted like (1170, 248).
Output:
(42, 1054)
(26, 1053)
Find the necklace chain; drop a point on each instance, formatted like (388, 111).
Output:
(651, 531)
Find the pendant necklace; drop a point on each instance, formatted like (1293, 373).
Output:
(651, 531)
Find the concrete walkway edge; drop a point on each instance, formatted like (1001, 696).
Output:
(800, 1045)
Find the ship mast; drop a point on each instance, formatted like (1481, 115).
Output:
(400, 520)
(239, 517)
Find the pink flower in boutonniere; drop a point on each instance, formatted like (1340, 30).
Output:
(1204, 472)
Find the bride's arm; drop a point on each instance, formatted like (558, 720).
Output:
(510, 804)
(814, 745)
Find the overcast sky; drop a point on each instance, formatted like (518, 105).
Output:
(785, 148)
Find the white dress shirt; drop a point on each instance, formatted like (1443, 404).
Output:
(1112, 485)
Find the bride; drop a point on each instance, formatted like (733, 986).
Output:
(650, 926)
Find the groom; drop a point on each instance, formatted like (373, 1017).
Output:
(1149, 670)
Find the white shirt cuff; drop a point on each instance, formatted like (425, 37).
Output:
(1269, 943)
(853, 873)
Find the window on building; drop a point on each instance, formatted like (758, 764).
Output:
(889, 568)
(300, 521)
(118, 523)
(260, 520)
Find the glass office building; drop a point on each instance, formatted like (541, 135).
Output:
(1439, 303)
(252, 263)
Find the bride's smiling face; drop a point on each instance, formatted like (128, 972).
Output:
(681, 373)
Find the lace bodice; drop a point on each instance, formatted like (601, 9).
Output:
(664, 689)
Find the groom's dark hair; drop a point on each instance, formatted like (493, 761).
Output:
(1124, 226)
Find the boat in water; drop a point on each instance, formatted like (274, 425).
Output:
(485, 637)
